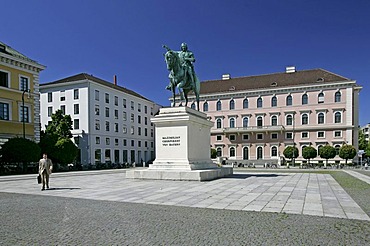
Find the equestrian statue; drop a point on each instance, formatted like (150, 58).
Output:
(182, 75)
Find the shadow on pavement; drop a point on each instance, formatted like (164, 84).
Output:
(245, 176)
(64, 189)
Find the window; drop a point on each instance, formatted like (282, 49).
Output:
(116, 142)
(106, 112)
(124, 130)
(106, 97)
(338, 134)
(289, 135)
(320, 118)
(124, 103)
(232, 122)
(218, 105)
(205, 107)
(245, 153)
(259, 102)
(139, 131)
(245, 121)
(107, 155)
(132, 143)
(76, 108)
(116, 100)
(320, 97)
(116, 114)
(97, 125)
(50, 97)
(232, 137)
(75, 94)
(274, 152)
(274, 101)
(274, 136)
(218, 123)
(116, 127)
(62, 96)
(4, 111)
(259, 152)
(145, 109)
(337, 117)
(145, 132)
(107, 141)
(338, 96)
(245, 136)
(4, 79)
(107, 126)
(76, 124)
(337, 148)
(274, 120)
(124, 116)
(219, 138)
(304, 99)
(97, 110)
(63, 108)
(232, 152)
(23, 83)
(259, 136)
(97, 140)
(219, 151)
(192, 106)
(132, 118)
(289, 100)
(50, 111)
(98, 155)
(96, 95)
(289, 120)
(146, 120)
(245, 103)
(320, 134)
(304, 119)
(132, 130)
(304, 135)
(139, 107)
(259, 121)
(24, 114)
(132, 105)
(232, 104)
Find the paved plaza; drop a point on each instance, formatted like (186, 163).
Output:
(308, 202)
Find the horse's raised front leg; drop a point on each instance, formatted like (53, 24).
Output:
(173, 97)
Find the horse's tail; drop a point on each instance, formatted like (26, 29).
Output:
(197, 86)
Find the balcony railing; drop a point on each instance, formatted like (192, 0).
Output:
(252, 129)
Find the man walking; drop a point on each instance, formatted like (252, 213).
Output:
(45, 168)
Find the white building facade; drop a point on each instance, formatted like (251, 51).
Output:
(257, 117)
(366, 131)
(111, 124)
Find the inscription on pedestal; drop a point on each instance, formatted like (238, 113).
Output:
(171, 141)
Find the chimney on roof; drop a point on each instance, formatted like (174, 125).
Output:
(290, 69)
(115, 79)
(226, 76)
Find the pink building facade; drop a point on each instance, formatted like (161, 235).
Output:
(257, 117)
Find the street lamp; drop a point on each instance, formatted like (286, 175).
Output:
(28, 96)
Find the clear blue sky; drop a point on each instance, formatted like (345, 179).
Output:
(240, 37)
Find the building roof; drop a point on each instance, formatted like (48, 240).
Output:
(269, 81)
(4, 48)
(84, 76)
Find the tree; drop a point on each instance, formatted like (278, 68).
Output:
(362, 144)
(66, 151)
(61, 125)
(347, 152)
(20, 150)
(327, 152)
(213, 153)
(291, 152)
(309, 152)
(367, 151)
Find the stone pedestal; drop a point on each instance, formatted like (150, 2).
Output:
(182, 148)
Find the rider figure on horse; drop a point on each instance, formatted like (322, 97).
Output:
(187, 59)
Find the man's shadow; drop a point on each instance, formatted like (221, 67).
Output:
(71, 188)
(258, 175)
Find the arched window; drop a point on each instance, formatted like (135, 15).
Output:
(245, 103)
(232, 122)
(218, 123)
(274, 120)
(232, 152)
(259, 152)
(274, 152)
(304, 119)
(245, 122)
(289, 100)
(245, 153)
(219, 151)
(193, 106)
(259, 121)
(218, 105)
(320, 118)
(338, 97)
(274, 101)
(320, 97)
(338, 117)
(337, 148)
(232, 104)
(289, 120)
(205, 107)
(304, 99)
(259, 102)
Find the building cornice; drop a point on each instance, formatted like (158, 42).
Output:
(21, 64)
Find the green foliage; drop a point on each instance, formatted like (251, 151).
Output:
(47, 144)
(66, 151)
(213, 153)
(61, 125)
(309, 152)
(327, 152)
(362, 144)
(367, 151)
(347, 152)
(17, 150)
(291, 152)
